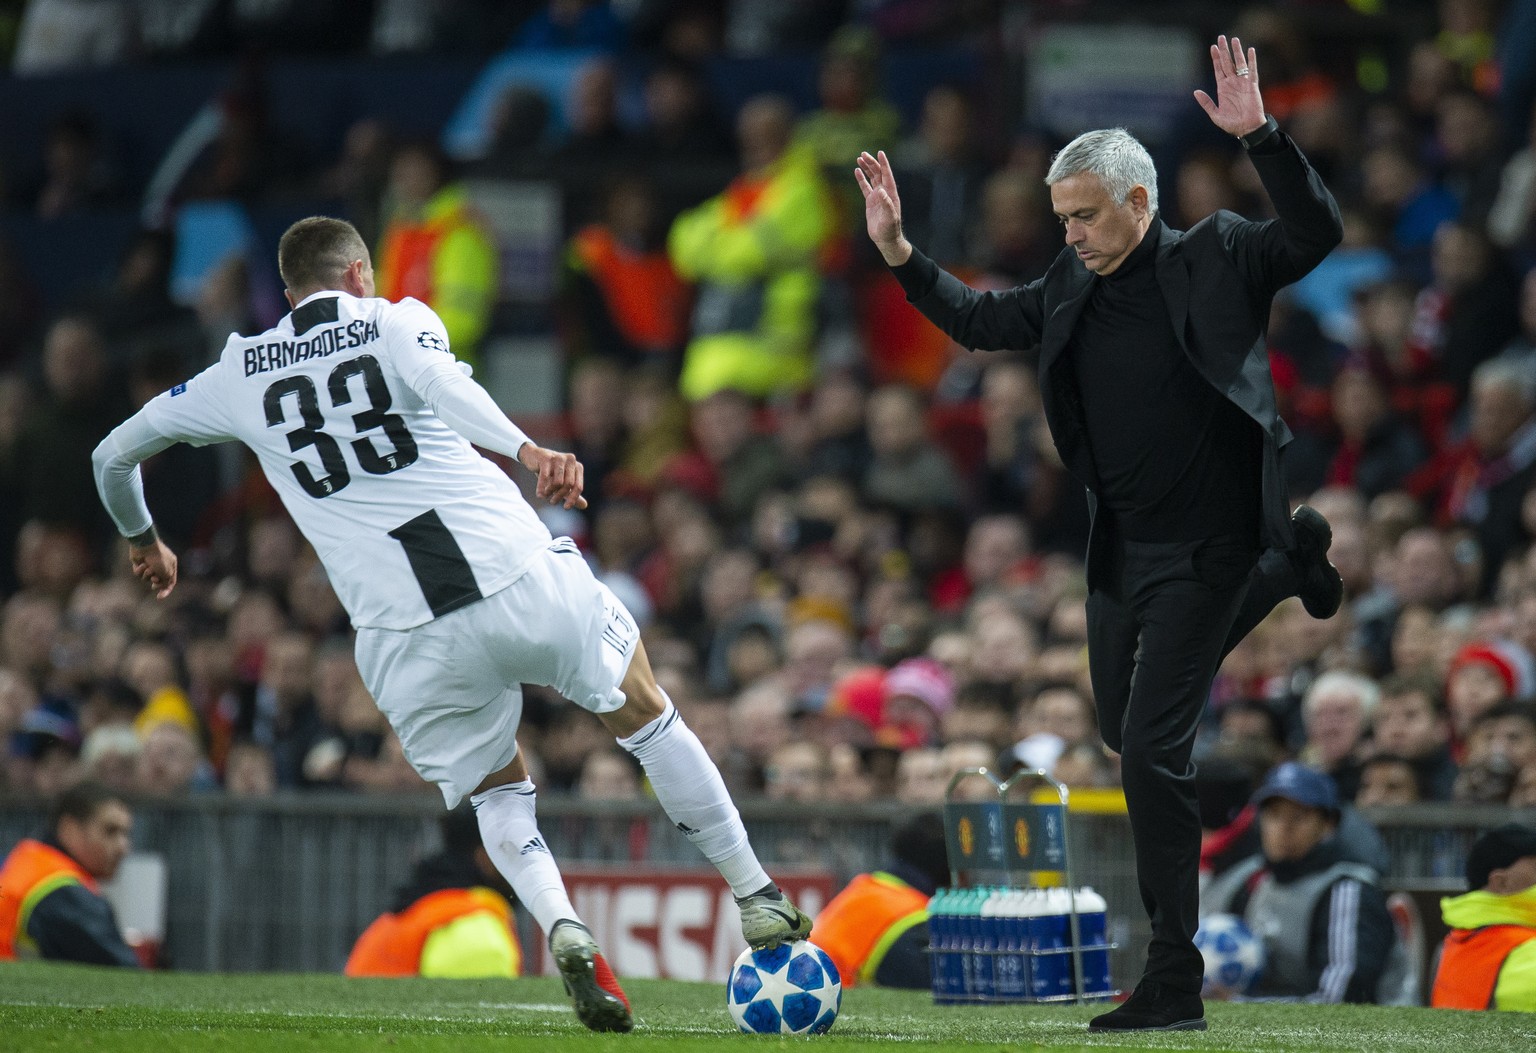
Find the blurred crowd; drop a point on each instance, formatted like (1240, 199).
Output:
(853, 550)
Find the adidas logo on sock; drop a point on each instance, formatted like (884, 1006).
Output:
(534, 845)
(687, 830)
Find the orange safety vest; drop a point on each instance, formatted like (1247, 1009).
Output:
(31, 872)
(407, 255)
(1470, 961)
(392, 945)
(864, 919)
(648, 300)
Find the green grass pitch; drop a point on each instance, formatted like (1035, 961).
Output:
(72, 1009)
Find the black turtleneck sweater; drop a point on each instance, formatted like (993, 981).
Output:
(1176, 461)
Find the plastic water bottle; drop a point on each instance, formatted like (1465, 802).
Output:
(1036, 941)
(940, 943)
(1092, 926)
(1060, 901)
(989, 940)
(1010, 976)
(970, 939)
(1056, 935)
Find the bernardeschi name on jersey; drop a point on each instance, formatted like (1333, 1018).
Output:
(409, 520)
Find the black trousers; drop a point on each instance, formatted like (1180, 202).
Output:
(1159, 624)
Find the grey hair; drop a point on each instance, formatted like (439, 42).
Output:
(1505, 373)
(1115, 156)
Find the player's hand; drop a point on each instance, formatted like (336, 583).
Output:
(1238, 109)
(155, 564)
(882, 207)
(561, 476)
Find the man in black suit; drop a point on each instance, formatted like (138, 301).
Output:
(1157, 389)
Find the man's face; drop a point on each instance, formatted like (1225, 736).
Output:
(1288, 830)
(1517, 877)
(1101, 231)
(1387, 782)
(1513, 738)
(1407, 726)
(99, 843)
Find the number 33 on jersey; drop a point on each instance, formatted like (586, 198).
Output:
(407, 517)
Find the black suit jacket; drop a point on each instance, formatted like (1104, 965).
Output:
(1217, 278)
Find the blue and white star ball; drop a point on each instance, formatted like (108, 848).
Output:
(1234, 956)
(792, 989)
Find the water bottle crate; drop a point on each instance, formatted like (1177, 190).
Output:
(1014, 927)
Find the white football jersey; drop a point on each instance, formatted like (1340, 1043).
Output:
(410, 521)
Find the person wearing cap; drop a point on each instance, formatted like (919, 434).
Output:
(1347, 950)
(876, 929)
(51, 905)
(918, 693)
(453, 919)
(1488, 960)
(1482, 675)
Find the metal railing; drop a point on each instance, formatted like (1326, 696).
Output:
(288, 882)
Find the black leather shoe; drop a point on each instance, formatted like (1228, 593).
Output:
(1321, 589)
(1154, 1007)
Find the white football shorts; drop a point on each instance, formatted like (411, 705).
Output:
(452, 687)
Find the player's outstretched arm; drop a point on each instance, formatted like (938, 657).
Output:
(1238, 108)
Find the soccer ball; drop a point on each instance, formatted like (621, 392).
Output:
(1234, 956)
(791, 989)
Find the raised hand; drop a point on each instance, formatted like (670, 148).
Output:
(1238, 109)
(882, 207)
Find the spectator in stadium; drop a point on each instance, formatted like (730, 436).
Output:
(436, 248)
(683, 142)
(50, 899)
(852, 113)
(943, 175)
(907, 471)
(458, 730)
(1336, 715)
(249, 770)
(622, 298)
(171, 762)
(1488, 960)
(598, 146)
(1369, 447)
(876, 928)
(609, 774)
(1161, 603)
(279, 710)
(1410, 723)
(1469, 310)
(1386, 779)
(1482, 675)
(751, 253)
(1324, 922)
(72, 413)
(1504, 737)
(453, 919)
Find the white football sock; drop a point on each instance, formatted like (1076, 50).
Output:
(693, 795)
(512, 840)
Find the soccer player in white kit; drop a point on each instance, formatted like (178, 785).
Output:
(362, 421)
